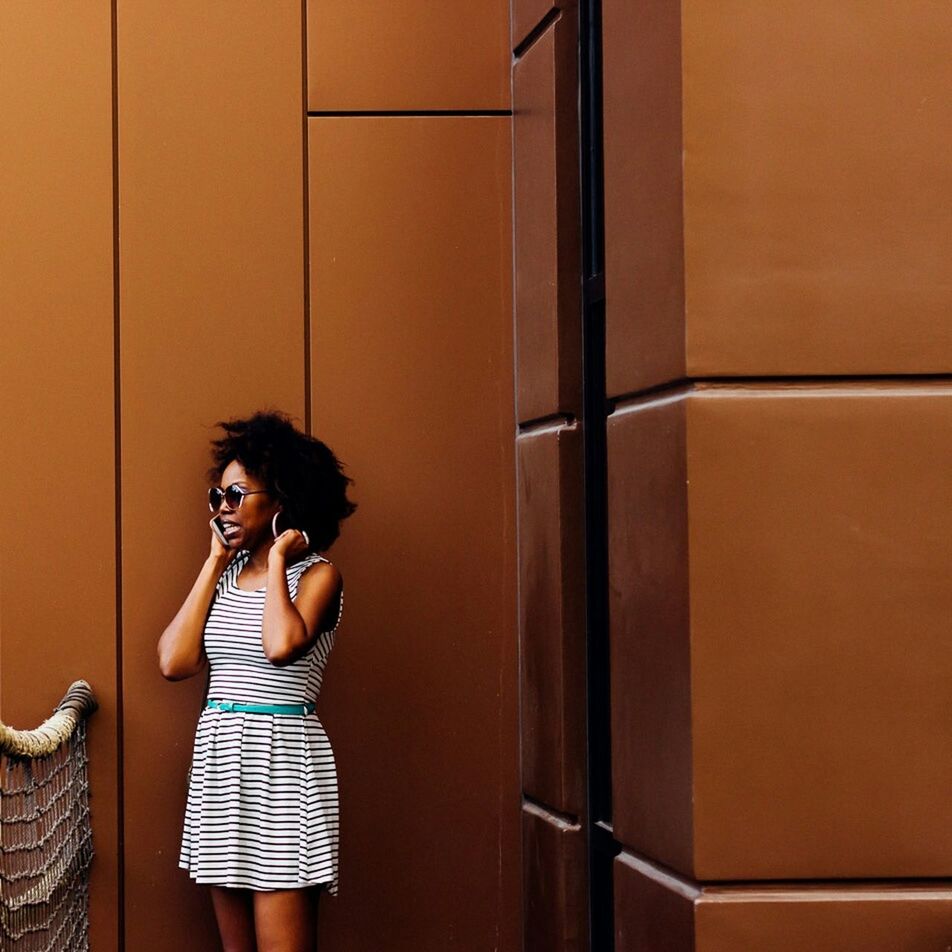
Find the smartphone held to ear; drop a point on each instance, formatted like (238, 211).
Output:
(217, 529)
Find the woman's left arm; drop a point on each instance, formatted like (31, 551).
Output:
(289, 629)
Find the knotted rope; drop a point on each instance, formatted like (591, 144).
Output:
(45, 832)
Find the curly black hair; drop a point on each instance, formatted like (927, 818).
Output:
(295, 468)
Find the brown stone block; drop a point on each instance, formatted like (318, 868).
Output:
(815, 653)
(555, 883)
(552, 616)
(547, 226)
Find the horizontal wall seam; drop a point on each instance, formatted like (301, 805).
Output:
(892, 384)
(547, 424)
(319, 113)
(564, 821)
(783, 890)
(659, 874)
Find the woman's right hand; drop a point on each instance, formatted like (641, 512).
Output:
(219, 551)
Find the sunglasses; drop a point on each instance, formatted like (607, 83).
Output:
(234, 495)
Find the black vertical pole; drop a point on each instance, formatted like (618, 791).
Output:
(602, 847)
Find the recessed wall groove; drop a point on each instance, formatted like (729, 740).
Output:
(316, 114)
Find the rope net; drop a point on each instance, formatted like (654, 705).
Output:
(45, 833)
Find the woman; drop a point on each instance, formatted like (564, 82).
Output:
(261, 818)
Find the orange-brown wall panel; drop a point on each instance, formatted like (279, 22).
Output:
(817, 628)
(547, 261)
(644, 239)
(816, 187)
(658, 912)
(654, 912)
(57, 529)
(528, 14)
(650, 642)
(556, 884)
(414, 55)
(411, 333)
(808, 143)
(212, 325)
(820, 543)
(826, 917)
(552, 616)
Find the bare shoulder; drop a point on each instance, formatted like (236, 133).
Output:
(320, 589)
(320, 575)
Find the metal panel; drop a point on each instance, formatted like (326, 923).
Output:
(528, 14)
(552, 617)
(820, 543)
(414, 55)
(650, 636)
(644, 239)
(829, 917)
(212, 326)
(547, 224)
(57, 528)
(816, 187)
(654, 912)
(658, 912)
(411, 319)
(776, 221)
(816, 555)
(555, 882)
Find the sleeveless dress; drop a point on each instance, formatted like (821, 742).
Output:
(262, 808)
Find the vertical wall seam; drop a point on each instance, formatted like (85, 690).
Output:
(307, 223)
(117, 425)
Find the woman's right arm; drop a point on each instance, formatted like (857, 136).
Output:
(181, 650)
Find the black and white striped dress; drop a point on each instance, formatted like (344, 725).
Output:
(262, 807)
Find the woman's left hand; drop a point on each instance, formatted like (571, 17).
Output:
(290, 542)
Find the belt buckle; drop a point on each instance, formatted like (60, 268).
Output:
(227, 705)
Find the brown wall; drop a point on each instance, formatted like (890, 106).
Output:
(353, 270)
(57, 417)
(409, 268)
(776, 209)
(549, 452)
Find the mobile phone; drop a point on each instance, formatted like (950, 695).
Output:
(217, 529)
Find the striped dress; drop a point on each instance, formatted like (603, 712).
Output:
(262, 809)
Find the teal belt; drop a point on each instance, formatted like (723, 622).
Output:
(306, 708)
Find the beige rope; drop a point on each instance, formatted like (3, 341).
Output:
(78, 702)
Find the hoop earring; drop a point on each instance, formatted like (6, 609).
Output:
(275, 533)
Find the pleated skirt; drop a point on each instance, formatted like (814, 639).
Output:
(262, 806)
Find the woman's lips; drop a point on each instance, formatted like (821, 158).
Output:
(232, 531)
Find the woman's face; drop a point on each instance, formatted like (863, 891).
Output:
(252, 519)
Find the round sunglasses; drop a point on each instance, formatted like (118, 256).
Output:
(234, 495)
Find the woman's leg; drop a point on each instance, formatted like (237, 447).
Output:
(286, 919)
(234, 911)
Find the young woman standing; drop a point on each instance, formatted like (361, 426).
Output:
(261, 818)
